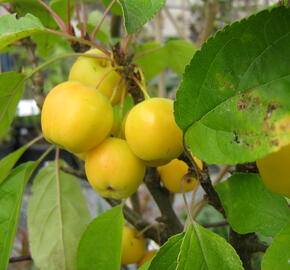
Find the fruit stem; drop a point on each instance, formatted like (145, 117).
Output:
(45, 153)
(34, 140)
(146, 95)
(105, 75)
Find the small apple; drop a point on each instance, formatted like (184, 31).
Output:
(173, 175)
(76, 117)
(151, 131)
(133, 246)
(148, 256)
(90, 71)
(275, 171)
(113, 169)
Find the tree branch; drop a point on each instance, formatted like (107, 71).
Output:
(158, 234)
(20, 259)
(162, 198)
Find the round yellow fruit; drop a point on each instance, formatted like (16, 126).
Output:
(148, 256)
(172, 176)
(275, 171)
(76, 117)
(151, 131)
(90, 71)
(133, 246)
(113, 169)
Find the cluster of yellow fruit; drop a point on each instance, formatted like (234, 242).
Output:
(77, 115)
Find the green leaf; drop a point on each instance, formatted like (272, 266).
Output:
(166, 257)
(251, 207)
(145, 266)
(11, 193)
(23, 7)
(11, 89)
(180, 53)
(156, 54)
(239, 76)
(58, 205)
(8, 162)
(139, 12)
(204, 250)
(175, 54)
(13, 29)
(100, 245)
(277, 256)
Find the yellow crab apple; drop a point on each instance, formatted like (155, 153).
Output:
(92, 72)
(113, 170)
(151, 130)
(275, 172)
(148, 256)
(173, 176)
(76, 117)
(133, 246)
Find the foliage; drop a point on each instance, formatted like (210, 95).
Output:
(232, 105)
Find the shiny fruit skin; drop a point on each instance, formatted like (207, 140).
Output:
(76, 117)
(133, 246)
(151, 131)
(113, 169)
(148, 256)
(89, 71)
(275, 171)
(172, 175)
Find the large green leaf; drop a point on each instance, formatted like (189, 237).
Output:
(100, 245)
(8, 162)
(251, 207)
(139, 12)
(13, 29)
(57, 217)
(166, 257)
(234, 101)
(277, 256)
(11, 193)
(11, 89)
(202, 249)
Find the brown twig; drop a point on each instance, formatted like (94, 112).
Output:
(57, 19)
(20, 259)
(162, 198)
